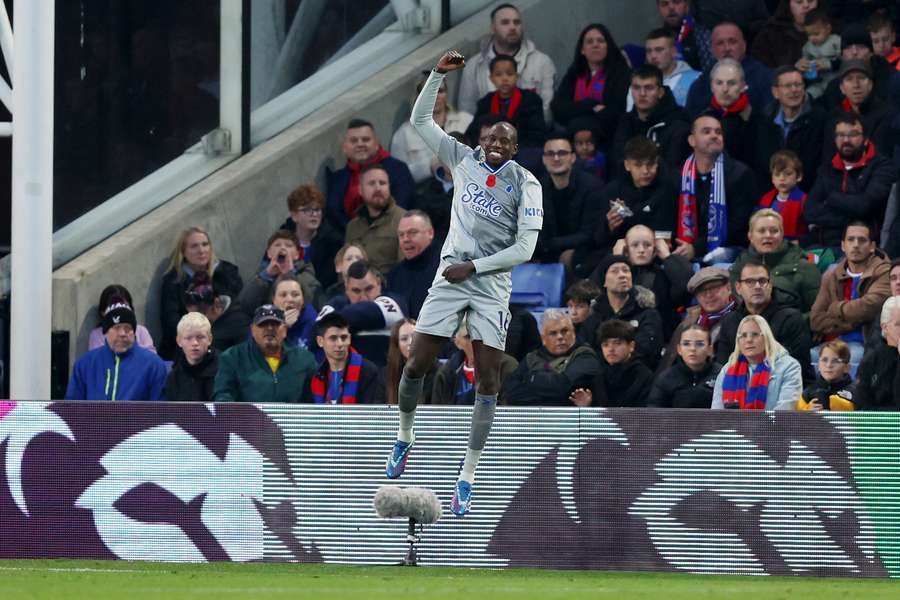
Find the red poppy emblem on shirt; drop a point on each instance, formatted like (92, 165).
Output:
(491, 180)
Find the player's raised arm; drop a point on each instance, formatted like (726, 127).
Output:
(422, 117)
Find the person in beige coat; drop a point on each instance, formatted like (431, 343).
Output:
(375, 225)
(852, 293)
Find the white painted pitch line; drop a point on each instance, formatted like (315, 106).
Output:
(75, 570)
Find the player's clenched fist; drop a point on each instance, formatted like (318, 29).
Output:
(450, 61)
(459, 272)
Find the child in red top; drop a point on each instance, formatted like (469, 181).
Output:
(787, 199)
(883, 37)
(523, 109)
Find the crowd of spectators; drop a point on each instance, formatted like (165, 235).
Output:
(723, 198)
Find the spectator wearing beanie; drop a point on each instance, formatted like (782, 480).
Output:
(97, 339)
(625, 301)
(120, 369)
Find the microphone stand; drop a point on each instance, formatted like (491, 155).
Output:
(412, 539)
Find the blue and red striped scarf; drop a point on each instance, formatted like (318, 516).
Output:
(791, 211)
(344, 387)
(591, 88)
(717, 217)
(734, 387)
(687, 26)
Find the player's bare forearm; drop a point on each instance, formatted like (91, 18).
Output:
(450, 61)
(459, 272)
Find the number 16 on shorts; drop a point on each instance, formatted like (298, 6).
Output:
(504, 317)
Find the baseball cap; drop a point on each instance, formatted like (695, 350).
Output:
(266, 313)
(849, 66)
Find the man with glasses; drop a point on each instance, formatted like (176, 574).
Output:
(757, 294)
(551, 373)
(853, 185)
(654, 115)
(317, 239)
(795, 123)
(569, 194)
(852, 293)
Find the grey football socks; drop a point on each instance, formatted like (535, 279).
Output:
(407, 398)
(482, 419)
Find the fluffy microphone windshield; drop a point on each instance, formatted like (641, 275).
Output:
(413, 502)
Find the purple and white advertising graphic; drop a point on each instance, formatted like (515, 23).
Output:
(695, 491)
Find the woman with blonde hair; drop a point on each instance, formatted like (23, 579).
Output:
(760, 374)
(789, 268)
(192, 253)
(346, 256)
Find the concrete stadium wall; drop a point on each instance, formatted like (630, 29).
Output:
(243, 203)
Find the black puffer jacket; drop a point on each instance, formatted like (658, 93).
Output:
(667, 279)
(878, 381)
(830, 206)
(640, 311)
(192, 383)
(623, 385)
(543, 379)
(823, 390)
(668, 125)
(876, 116)
(680, 387)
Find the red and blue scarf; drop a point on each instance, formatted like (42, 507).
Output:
(591, 88)
(717, 216)
(512, 106)
(734, 387)
(791, 211)
(344, 387)
(687, 27)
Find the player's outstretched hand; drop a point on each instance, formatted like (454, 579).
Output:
(459, 272)
(450, 61)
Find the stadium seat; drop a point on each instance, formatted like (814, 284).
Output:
(535, 284)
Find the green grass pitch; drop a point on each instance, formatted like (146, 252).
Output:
(100, 580)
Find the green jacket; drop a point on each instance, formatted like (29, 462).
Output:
(790, 272)
(245, 376)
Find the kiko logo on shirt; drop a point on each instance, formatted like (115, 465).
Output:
(481, 202)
